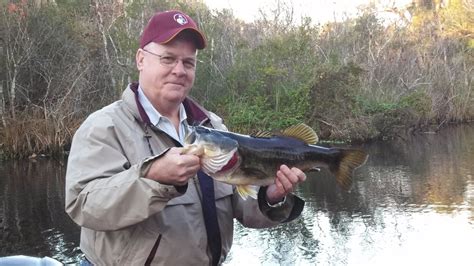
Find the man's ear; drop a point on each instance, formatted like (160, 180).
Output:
(139, 57)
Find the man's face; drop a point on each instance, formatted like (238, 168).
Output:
(167, 71)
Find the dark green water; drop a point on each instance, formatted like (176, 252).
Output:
(411, 204)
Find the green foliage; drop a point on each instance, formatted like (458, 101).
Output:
(73, 6)
(394, 119)
(371, 107)
(395, 122)
(334, 90)
(246, 114)
(268, 85)
(419, 101)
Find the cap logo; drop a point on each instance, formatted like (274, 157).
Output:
(180, 19)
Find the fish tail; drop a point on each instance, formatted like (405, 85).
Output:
(350, 160)
(246, 191)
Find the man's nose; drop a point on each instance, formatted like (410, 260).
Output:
(179, 68)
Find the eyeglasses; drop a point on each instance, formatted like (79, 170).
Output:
(171, 61)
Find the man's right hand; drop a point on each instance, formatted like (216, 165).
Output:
(174, 168)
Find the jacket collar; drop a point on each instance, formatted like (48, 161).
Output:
(196, 114)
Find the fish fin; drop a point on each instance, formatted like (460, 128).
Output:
(246, 191)
(213, 162)
(262, 134)
(350, 160)
(303, 132)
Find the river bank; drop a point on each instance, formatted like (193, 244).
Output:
(32, 137)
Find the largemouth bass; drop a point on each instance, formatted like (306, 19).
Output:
(248, 161)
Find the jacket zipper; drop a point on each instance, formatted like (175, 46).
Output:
(153, 251)
(147, 136)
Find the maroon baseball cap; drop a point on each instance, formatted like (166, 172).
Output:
(164, 26)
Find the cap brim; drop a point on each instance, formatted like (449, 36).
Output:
(198, 36)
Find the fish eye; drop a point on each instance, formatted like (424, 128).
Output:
(210, 147)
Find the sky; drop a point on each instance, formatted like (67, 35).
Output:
(319, 10)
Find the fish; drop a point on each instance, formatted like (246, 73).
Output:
(251, 161)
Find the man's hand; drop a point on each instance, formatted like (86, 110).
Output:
(285, 181)
(174, 168)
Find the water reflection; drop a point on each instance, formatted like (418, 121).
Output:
(412, 203)
(32, 217)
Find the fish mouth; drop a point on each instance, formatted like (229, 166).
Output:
(191, 138)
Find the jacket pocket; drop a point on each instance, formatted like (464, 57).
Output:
(182, 200)
(190, 197)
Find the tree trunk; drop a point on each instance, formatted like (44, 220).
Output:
(2, 106)
(105, 44)
(13, 92)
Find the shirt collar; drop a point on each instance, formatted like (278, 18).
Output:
(152, 113)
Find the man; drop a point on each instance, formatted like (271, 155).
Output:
(137, 198)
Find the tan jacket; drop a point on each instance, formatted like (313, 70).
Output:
(124, 215)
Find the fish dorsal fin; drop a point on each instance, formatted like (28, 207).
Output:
(302, 132)
(262, 134)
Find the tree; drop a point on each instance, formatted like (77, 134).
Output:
(18, 48)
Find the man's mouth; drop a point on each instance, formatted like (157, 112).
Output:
(176, 83)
